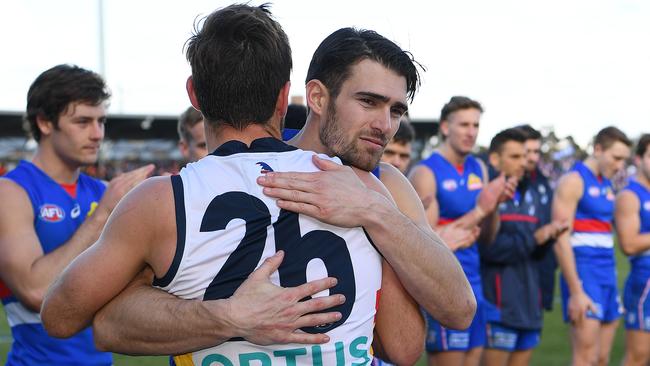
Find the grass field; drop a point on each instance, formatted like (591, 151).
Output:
(553, 350)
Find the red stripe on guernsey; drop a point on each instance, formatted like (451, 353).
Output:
(497, 285)
(519, 218)
(4, 291)
(444, 221)
(592, 226)
(377, 296)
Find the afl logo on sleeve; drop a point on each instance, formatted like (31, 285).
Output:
(51, 213)
(474, 182)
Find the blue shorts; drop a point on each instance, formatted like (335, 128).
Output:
(636, 299)
(510, 339)
(604, 296)
(441, 339)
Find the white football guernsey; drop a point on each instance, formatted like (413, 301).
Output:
(226, 227)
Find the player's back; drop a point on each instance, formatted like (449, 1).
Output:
(227, 227)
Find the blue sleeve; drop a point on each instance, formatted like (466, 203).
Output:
(511, 245)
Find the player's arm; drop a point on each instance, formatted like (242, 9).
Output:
(24, 267)
(425, 266)
(143, 220)
(398, 319)
(457, 235)
(628, 224)
(423, 181)
(565, 203)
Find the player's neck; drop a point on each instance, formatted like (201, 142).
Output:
(216, 137)
(55, 166)
(308, 138)
(592, 164)
(452, 155)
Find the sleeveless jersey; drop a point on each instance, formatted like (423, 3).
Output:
(456, 193)
(56, 218)
(592, 239)
(226, 227)
(641, 262)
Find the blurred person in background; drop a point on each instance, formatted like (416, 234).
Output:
(191, 135)
(535, 177)
(456, 185)
(590, 299)
(633, 229)
(52, 212)
(509, 270)
(398, 151)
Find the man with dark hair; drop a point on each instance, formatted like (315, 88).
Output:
(351, 258)
(538, 181)
(590, 300)
(191, 135)
(633, 229)
(509, 270)
(398, 150)
(457, 185)
(53, 212)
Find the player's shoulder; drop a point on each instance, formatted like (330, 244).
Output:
(571, 184)
(391, 177)
(154, 194)
(627, 197)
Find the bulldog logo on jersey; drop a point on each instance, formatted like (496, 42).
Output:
(449, 185)
(474, 182)
(594, 191)
(265, 167)
(51, 213)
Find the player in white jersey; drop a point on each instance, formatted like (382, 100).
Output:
(444, 289)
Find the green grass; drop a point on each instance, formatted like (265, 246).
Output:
(554, 349)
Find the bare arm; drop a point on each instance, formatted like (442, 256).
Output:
(398, 318)
(628, 224)
(459, 234)
(121, 252)
(26, 270)
(425, 266)
(262, 313)
(565, 202)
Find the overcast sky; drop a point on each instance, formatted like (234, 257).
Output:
(572, 64)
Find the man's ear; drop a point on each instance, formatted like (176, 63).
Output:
(189, 86)
(493, 157)
(44, 125)
(317, 96)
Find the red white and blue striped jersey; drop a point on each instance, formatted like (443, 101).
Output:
(456, 193)
(641, 262)
(592, 239)
(57, 216)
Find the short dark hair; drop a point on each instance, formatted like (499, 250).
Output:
(457, 103)
(501, 138)
(186, 122)
(530, 132)
(405, 133)
(54, 89)
(240, 61)
(346, 47)
(642, 145)
(609, 135)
